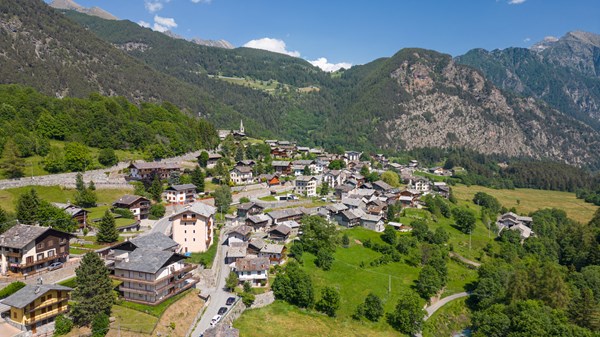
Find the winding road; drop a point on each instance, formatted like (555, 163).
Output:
(436, 306)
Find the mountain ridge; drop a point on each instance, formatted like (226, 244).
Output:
(72, 5)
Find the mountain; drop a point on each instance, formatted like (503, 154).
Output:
(72, 5)
(421, 98)
(209, 43)
(562, 72)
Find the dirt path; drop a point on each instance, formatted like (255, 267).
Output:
(465, 260)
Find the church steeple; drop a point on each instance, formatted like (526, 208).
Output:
(241, 126)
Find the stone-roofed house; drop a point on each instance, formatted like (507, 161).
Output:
(353, 203)
(138, 205)
(280, 233)
(213, 158)
(348, 219)
(306, 186)
(236, 251)
(282, 167)
(255, 245)
(180, 194)
(155, 240)
(282, 215)
(423, 185)
(334, 178)
(28, 249)
(259, 222)
(255, 270)
(240, 233)
(77, 213)
(34, 306)
(294, 226)
(273, 252)
(193, 227)
(382, 186)
(249, 208)
(372, 222)
(241, 175)
(143, 170)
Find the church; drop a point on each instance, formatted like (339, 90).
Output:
(237, 134)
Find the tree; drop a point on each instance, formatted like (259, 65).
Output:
(198, 177)
(491, 322)
(107, 157)
(337, 164)
(389, 235)
(223, 198)
(440, 236)
(428, 283)
(248, 298)
(420, 230)
(107, 230)
(408, 315)
(391, 178)
(306, 171)
(232, 281)
(203, 159)
(329, 302)
(156, 189)
(49, 215)
(297, 250)
(157, 210)
(244, 200)
(324, 189)
(373, 307)
(54, 161)
(318, 234)
(294, 286)
(86, 198)
(100, 325)
(77, 157)
(465, 219)
(11, 162)
(62, 325)
(247, 287)
(345, 240)
(94, 292)
(27, 206)
(239, 153)
(174, 178)
(324, 259)
(488, 202)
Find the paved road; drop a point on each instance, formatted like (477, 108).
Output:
(218, 295)
(435, 307)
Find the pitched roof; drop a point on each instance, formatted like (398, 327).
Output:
(20, 236)
(242, 169)
(259, 218)
(271, 248)
(280, 163)
(182, 187)
(155, 165)
(198, 208)
(252, 264)
(305, 178)
(248, 205)
(128, 199)
(237, 251)
(382, 185)
(369, 217)
(304, 162)
(147, 260)
(337, 207)
(349, 215)
(352, 202)
(30, 293)
(283, 229)
(284, 213)
(257, 243)
(242, 229)
(155, 240)
(214, 156)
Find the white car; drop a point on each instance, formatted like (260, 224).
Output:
(215, 320)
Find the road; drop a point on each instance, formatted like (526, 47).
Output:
(435, 307)
(218, 295)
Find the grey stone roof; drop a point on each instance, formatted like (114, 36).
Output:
(371, 218)
(70, 209)
(283, 229)
(242, 229)
(155, 165)
(242, 169)
(248, 205)
(284, 213)
(128, 199)
(198, 208)
(30, 293)
(259, 218)
(305, 178)
(280, 163)
(252, 264)
(182, 187)
(237, 251)
(257, 243)
(272, 249)
(146, 260)
(382, 185)
(154, 240)
(20, 235)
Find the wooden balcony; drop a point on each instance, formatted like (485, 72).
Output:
(13, 254)
(48, 303)
(41, 317)
(44, 260)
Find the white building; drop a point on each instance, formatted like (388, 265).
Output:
(253, 269)
(241, 175)
(193, 227)
(306, 185)
(180, 194)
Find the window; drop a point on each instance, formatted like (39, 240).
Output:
(14, 314)
(140, 274)
(50, 253)
(185, 232)
(185, 240)
(49, 296)
(40, 245)
(194, 239)
(194, 231)
(40, 256)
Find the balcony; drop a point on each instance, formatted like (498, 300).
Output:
(186, 268)
(180, 290)
(44, 260)
(41, 317)
(13, 254)
(48, 303)
(137, 291)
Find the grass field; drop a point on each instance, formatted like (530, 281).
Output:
(450, 319)
(133, 320)
(9, 197)
(282, 319)
(529, 200)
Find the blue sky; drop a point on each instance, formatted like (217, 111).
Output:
(357, 32)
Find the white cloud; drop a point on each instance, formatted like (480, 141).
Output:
(163, 24)
(322, 63)
(202, 1)
(516, 2)
(527, 39)
(144, 24)
(153, 6)
(274, 45)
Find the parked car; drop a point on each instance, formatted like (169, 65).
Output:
(55, 265)
(215, 320)
(230, 301)
(222, 310)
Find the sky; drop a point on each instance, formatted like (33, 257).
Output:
(335, 33)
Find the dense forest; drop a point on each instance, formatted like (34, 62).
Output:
(29, 119)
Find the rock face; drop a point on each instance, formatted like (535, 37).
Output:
(443, 104)
(72, 5)
(209, 43)
(563, 72)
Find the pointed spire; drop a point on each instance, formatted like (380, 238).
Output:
(241, 126)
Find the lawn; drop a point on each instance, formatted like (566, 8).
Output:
(9, 197)
(282, 319)
(133, 320)
(156, 310)
(452, 318)
(208, 257)
(529, 200)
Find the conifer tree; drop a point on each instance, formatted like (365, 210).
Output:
(11, 161)
(94, 292)
(107, 231)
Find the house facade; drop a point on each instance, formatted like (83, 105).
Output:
(180, 194)
(29, 249)
(34, 306)
(241, 175)
(193, 227)
(254, 270)
(306, 185)
(138, 205)
(143, 170)
(77, 213)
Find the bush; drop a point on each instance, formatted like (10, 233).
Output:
(248, 299)
(11, 289)
(62, 325)
(124, 213)
(157, 210)
(100, 325)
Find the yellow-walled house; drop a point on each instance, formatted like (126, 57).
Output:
(37, 305)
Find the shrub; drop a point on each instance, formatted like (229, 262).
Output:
(11, 289)
(62, 325)
(124, 213)
(100, 325)
(157, 210)
(248, 298)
